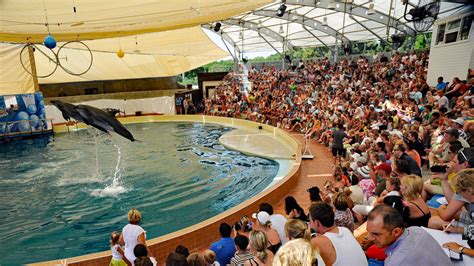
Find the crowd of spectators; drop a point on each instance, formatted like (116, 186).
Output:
(403, 163)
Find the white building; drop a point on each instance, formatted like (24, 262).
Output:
(452, 48)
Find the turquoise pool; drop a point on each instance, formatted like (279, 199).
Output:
(62, 197)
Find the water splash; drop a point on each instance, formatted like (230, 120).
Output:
(116, 188)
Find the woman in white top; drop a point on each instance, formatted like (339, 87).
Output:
(133, 234)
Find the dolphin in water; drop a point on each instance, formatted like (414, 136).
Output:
(92, 116)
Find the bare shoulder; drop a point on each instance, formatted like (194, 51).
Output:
(320, 241)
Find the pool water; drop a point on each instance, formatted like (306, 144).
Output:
(63, 196)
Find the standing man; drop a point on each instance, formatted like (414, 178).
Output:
(337, 245)
(411, 246)
(338, 141)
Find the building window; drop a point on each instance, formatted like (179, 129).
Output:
(440, 37)
(452, 31)
(466, 27)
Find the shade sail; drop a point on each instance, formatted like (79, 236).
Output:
(13, 78)
(159, 54)
(25, 20)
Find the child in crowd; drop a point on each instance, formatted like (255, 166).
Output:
(392, 188)
(210, 258)
(118, 257)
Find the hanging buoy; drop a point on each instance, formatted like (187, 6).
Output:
(49, 42)
(120, 53)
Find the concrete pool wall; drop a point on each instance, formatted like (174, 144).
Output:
(250, 138)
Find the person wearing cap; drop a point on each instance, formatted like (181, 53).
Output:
(225, 247)
(278, 220)
(265, 225)
(336, 245)
(458, 124)
(382, 173)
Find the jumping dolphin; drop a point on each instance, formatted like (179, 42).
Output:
(93, 117)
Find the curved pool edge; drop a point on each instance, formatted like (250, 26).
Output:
(201, 235)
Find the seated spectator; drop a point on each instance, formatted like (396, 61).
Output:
(224, 248)
(462, 200)
(400, 153)
(314, 194)
(196, 259)
(141, 254)
(182, 250)
(210, 258)
(405, 246)
(278, 220)
(343, 215)
(258, 246)
(296, 228)
(242, 255)
(296, 252)
(176, 259)
(336, 245)
(265, 225)
(243, 227)
(411, 188)
(294, 210)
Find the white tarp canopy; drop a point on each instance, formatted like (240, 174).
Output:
(159, 38)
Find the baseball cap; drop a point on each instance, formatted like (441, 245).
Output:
(262, 217)
(384, 167)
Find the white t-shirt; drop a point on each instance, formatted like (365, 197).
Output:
(278, 223)
(443, 101)
(348, 250)
(115, 254)
(130, 235)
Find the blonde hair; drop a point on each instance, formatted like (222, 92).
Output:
(297, 252)
(209, 256)
(340, 201)
(413, 186)
(246, 223)
(259, 243)
(295, 228)
(134, 216)
(464, 180)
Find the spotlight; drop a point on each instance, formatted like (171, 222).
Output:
(217, 27)
(281, 31)
(281, 10)
(325, 21)
(245, 60)
(331, 5)
(371, 10)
